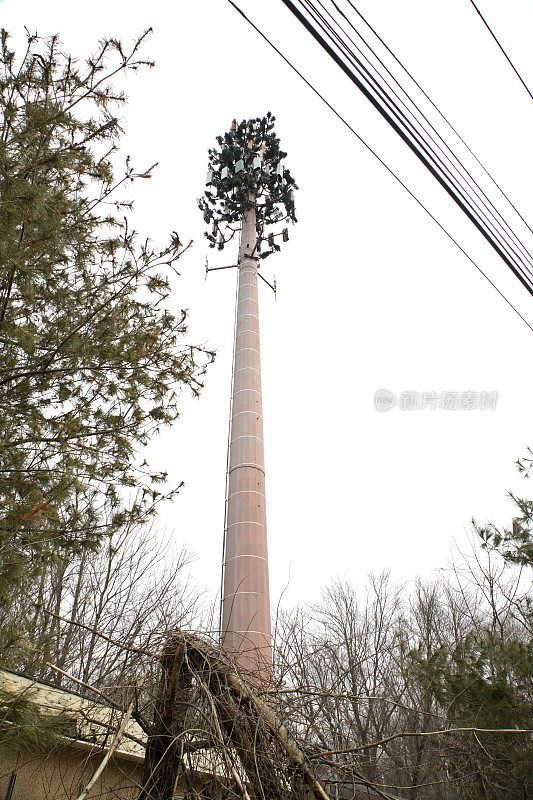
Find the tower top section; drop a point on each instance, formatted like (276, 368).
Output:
(247, 169)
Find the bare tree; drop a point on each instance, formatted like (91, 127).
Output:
(132, 591)
(390, 685)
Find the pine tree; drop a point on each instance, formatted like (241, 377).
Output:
(486, 679)
(91, 361)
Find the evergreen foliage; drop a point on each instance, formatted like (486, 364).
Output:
(485, 682)
(91, 361)
(246, 169)
(24, 727)
(515, 544)
(486, 679)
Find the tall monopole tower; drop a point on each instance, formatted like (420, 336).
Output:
(250, 193)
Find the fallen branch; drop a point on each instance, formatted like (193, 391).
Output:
(109, 700)
(205, 656)
(113, 746)
(137, 650)
(423, 733)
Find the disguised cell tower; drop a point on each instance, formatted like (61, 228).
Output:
(248, 190)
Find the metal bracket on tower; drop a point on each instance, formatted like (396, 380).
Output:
(214, 269)
(272, 285)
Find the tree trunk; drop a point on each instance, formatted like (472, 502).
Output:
(163, 760)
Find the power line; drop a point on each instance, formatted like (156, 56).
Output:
(417, 107)
(501, 48)
(423, 157)
(465, 192)
(381, 161)
(437, 109)
(388, 108)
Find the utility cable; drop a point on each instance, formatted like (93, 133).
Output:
(439, 112)
(420, 144)
(412, 146)
(226, 490)
(465, 192)
(478, 191)
(503, 51)
(381, 161)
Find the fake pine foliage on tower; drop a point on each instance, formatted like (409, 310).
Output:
(247, 169)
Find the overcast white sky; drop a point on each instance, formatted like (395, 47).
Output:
(371, 294)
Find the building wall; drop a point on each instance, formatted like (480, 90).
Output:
(60, 774)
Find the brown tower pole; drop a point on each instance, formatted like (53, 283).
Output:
(245, 600)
